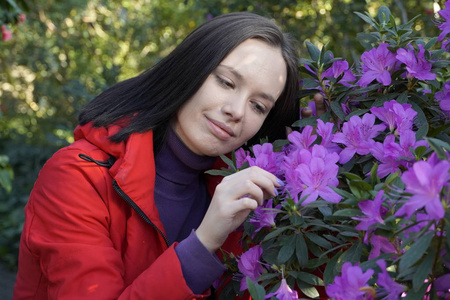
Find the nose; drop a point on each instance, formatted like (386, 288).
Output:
(235, 108)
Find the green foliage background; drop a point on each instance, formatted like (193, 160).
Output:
(68, 51)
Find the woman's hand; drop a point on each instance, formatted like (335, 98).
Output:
(320, 107)
(235, 197)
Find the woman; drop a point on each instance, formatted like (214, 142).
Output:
(125, 212)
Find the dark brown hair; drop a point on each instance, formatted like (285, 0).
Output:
(150, 100)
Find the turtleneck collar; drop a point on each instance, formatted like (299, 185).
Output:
(175, 162)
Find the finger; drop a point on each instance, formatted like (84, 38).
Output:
(320, 104)
(251, 190)
(243, 204)
(265, 180)
(255, 174)
(288, 130)
(306, 112)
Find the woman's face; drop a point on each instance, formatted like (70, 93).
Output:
(232, 104)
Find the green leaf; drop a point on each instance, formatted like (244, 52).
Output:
(331, 269)
(356, 113)
(374, 179)
(275, 233)
(332, 238)
(228, 161)
(384, 14)
(410, 23)
(309, 83)
(349, 233)
(307, 278)
(306, 92)
(353, 254)
(337, 109)
(438, 146)
(256, 291)
(435, 54)
(5, 180)
(278, 144)
(394, 25)
(419, 151)
(343, 193)
(352, 176)
(305, 122)
(287, 250)
(431, 43)
(301, 250)
(320, 241)
(322, 55)
(368, 19)
(296, 220)
(419, 295)
(325, 210)
(311, 292)
(347, 212)
(423, 271)
(326, 117)
(222, 172)
(403, 98)
(313, 51)
(421, 122)
(368, 40)
(415, 252)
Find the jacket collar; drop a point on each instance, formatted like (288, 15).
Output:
(134, 169)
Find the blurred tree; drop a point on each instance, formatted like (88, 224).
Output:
(68, 51)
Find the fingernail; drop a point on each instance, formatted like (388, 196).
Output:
(276, 192)
(280, 182)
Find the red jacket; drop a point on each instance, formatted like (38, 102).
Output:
(82, 239)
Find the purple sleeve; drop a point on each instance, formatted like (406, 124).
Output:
(200, 267)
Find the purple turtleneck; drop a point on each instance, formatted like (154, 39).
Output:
(182, 200)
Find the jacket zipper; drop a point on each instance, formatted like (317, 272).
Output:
(136, 208)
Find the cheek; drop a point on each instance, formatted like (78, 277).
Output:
(252, 127)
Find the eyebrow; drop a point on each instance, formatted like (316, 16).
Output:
(240, 77)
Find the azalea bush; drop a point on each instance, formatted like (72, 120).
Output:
(11, 14)
(364, 211)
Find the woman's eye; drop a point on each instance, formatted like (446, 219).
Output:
(225, 82)
(259, 108)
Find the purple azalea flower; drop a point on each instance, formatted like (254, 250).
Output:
(422, 220)
(389, 152)
(416, 64)
(357, 135)
(304, 139)
(265, 158)
(250, 266)
(284, 292)
(336, 70)
(445, 24)
(446, 46)
(380, 243)
(325, 130)
(289, 165)
(443, 97)
(425, 182)
(391, 289)
(264, 216)
(349, 284)
(318, 175)
(443, 283)
(372, 212)
(312, 106)
(241, 157)
(395, 115)
(377, 64)
(434, 159)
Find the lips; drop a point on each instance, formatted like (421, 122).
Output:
(221, 130)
